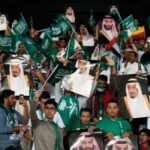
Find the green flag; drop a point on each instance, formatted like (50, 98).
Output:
(92, 21)
(148, 22)
(129, 24)
(114, 11)
(59, 72)
(45, 44)
(6, 43)
(63, 23)
(70, 48)
(21, 26)
(30, 48)
(68, 107)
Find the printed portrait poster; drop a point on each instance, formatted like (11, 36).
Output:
(79, 82)
(133, 97)
(15, 78)
(3, 23)
(86, 141)
(121, 143)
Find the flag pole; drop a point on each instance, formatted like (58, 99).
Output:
(49, 77)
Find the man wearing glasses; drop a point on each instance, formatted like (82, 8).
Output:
(47, 134)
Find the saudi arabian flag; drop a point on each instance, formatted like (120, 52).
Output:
(59, 72)
(30, 48)
(148, 22)
(92, 21)
(68, 107)
(45, 44)
(6, 43)
(53, 31)
(21, 26)
(63, 23)
(129, 24)
(72, 47)
(114, 11)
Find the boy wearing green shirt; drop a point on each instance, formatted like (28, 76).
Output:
(112, 125)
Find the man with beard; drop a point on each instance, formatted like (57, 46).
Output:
(137, 105)
(109, 33)
(87, 142)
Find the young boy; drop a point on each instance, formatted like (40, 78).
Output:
(85, 117)
(144, 136)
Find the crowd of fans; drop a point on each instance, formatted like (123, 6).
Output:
(39, 113)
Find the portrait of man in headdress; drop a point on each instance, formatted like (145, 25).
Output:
(136, 104)
(74, 82)
(16, 80)
(86, 141)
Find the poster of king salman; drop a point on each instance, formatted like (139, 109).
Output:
(79, 82)
(15, 78)
(133, 97)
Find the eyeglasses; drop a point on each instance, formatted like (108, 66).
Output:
(50, 108)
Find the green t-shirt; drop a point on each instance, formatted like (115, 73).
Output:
(117, 127)
(85, 126)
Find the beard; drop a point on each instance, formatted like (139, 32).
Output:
(107, 27)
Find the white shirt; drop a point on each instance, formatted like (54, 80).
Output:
(131, 68)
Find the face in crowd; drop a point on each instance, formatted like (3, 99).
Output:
(62, 43)
(144, 138)
(85, 117)
(132, 89)
(21, 48)
(11, 101)
(112, 110)
(50, 111)
(15, 70)
(132, 57)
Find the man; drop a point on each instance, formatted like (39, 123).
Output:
(46, 133)
(100, 98)
(136, 104)
(11, 122)
(144, 135)
(40, 111)
(112, 125)
(87, 142)
(131, 66)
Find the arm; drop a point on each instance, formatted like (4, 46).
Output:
(112, 65)
(4, 128)
(34, 119)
